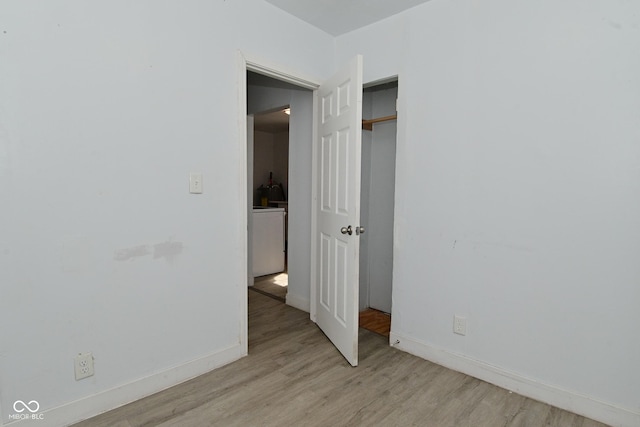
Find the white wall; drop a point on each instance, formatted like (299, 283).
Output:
(271, 155)
(516, 200)
(265, 94)
(281, 160)
(105, 108)
(518, 175)
(262, 161)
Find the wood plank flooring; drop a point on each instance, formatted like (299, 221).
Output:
(273, 285)
(294, 377)
(375, 321)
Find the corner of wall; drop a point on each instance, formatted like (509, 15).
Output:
(572, 401)
(298, 302)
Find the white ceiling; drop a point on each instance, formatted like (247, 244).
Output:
(341, 16)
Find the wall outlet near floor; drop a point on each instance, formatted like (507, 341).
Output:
(83, 364)
(459, 325)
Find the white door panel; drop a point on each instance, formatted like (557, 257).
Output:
(337, 162)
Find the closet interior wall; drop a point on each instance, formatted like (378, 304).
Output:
(377, 197)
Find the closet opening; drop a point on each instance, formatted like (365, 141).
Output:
(377, 197)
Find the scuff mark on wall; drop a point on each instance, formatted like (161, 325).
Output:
(132, 253)
(502, 246)
(615, 25)
(167, 250)
(5, 155)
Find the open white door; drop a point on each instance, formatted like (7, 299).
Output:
(337, 207)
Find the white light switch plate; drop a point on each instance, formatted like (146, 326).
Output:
(195, 183)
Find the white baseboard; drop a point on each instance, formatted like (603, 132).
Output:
(298, 302)
(571, 401)
(118, 396)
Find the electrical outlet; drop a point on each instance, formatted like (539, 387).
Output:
(459, 325)
(83, 364)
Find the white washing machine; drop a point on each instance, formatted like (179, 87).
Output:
(268, 240)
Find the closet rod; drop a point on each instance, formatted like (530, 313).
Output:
(368, 123)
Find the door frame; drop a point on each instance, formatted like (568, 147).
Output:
(246, 62)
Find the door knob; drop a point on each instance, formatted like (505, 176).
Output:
(359, 230)
(346, 230)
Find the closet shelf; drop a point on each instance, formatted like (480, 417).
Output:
(368, 123)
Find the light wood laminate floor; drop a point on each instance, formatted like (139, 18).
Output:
(273, 285)
(294, 377)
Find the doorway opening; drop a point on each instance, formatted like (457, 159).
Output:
(270, 204)
(268, 90)
(277, 169)
(377, 195)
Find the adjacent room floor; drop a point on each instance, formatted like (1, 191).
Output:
(293, 376)
(273, 285)
(375, 321)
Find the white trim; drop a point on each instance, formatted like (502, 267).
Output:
(249, 137)
(118, 396)
(298, 302)
(548, 393)
(278, 72)
(400, 139)
(243, 305)
(314, 205)
(381, 81)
